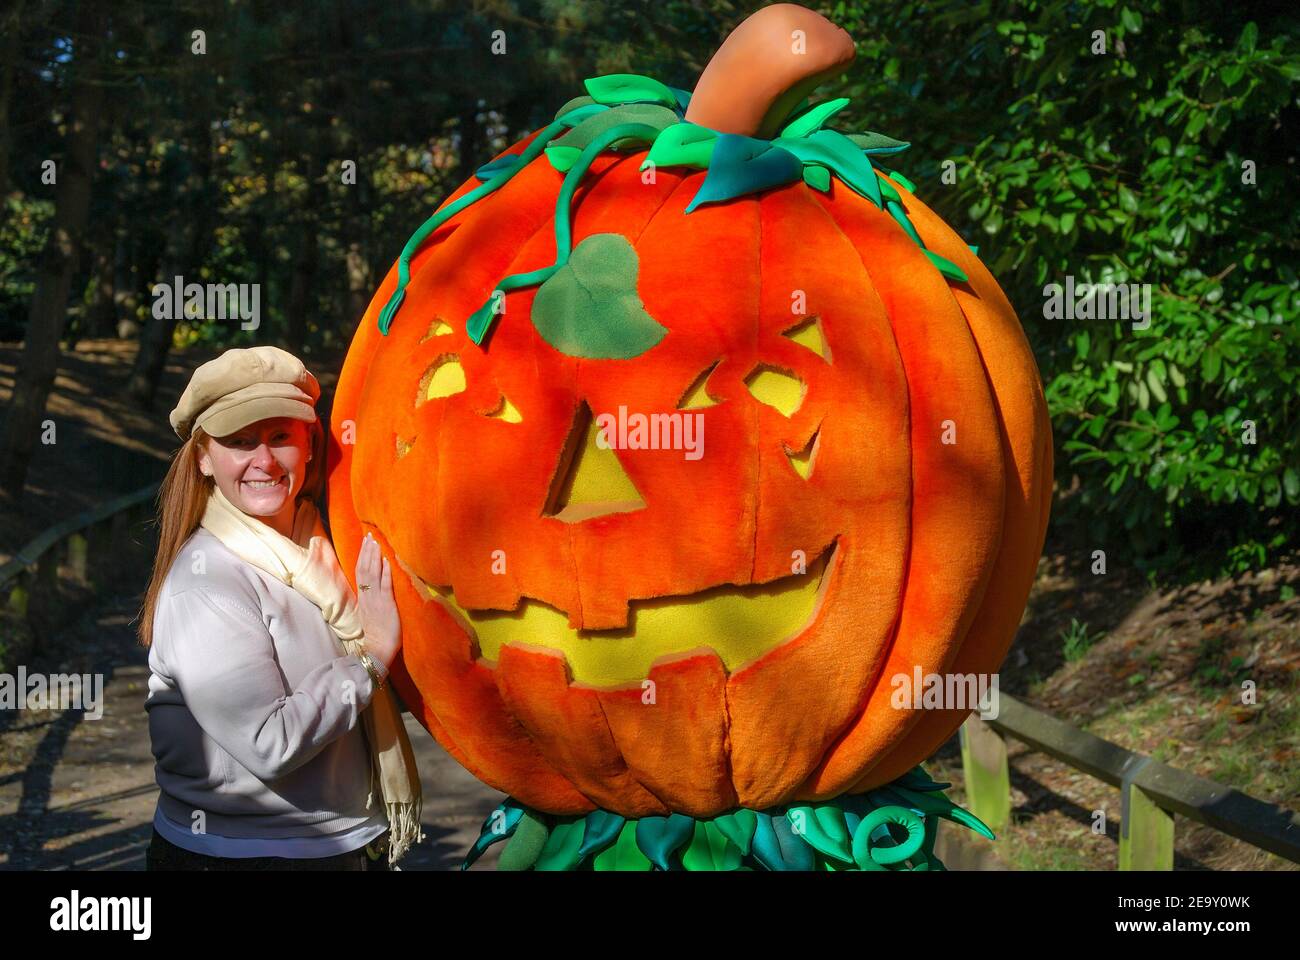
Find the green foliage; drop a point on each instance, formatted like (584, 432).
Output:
(1126, 167)
(1076, 641)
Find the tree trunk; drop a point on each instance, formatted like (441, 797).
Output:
(186, 253)
(302, 286)
(10, 34)
(49, 306)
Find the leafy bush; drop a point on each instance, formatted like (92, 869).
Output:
(1128, 166)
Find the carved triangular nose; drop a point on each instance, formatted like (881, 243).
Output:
(589, 481)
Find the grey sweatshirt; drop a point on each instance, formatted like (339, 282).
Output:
(253, 705)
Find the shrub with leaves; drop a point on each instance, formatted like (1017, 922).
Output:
(1110, 144)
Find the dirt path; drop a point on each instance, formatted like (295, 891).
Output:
(78, 793)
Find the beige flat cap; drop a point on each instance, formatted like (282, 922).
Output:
(243, 386)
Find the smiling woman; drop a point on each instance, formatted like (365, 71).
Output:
(264, 665)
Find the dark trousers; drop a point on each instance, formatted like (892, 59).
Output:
(165, 855)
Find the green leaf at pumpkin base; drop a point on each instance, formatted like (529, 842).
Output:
(682, 145)
(499, 825)
(823, 828)
(661, 837)
(590, 307)
(618, 88)
(812, 120)
(738, 827)
(601, 829)
(597, 123)
(526, 844)
(623, 854)
(562, 846)
(823, 835)
(710, 850)
(745, 165)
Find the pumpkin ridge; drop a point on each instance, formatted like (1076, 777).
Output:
(981, 576)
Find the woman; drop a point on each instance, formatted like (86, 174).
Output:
(268, 710)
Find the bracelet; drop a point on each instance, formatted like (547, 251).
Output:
(372, 668)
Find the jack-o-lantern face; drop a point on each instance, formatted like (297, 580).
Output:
(657, 626)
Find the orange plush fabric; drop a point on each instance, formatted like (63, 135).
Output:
(932, 546)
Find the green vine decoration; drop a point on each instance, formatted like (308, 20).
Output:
(630, 112)
(890, 828)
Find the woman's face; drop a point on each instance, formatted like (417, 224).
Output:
(261, 468)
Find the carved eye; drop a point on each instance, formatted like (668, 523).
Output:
(778, 389)
(444, 377)
(439, 328)
(507, 411)
(809, 334)
(804, 460)
(696, 395)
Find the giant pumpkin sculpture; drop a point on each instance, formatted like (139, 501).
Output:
(688, 428)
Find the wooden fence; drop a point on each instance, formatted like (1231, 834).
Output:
(88, 547)
(1151, 792)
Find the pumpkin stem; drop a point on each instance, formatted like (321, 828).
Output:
(768, 64)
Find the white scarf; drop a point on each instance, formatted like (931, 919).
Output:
(308, 563)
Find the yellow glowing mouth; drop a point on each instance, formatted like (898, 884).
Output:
(739, 623)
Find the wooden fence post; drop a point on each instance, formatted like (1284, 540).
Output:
(77, 555)
(1146, 833)
(988, 778)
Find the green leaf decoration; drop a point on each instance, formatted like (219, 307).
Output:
(659, 838)
(946, 267)
(561, 849)
(887, 190)
(917, 779)
(817, 177)
(624, 854)
(426, 229)
(901, 180)
(799, 110)
(812, 120)
(573, 104)
(836, 151)
(877, 144)
(590, 306)
(499, 825)
(710, 850)
(507, 161)
(602, 829)
(683, 98)
(580, 115)
(941, 806)
(629, 88)
(898, 213)
(593, 126)
(822, 827)
(562, 158)
(682, 145)
(796, 853)
(867, 850)
(744, 165)
(768, 849)
(525, 844)
(738, 827)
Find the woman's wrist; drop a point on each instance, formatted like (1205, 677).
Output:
(374, 666)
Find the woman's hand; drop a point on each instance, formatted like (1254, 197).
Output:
(379, 618)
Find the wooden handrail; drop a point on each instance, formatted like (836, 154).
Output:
(1151, 791)
(32, 552)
